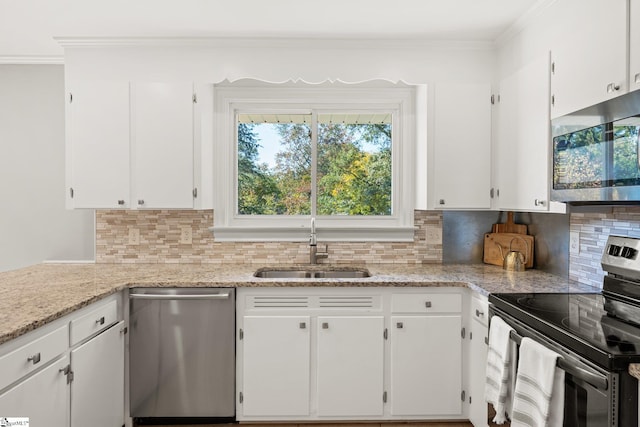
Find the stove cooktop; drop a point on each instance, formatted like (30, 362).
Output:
(579, 322)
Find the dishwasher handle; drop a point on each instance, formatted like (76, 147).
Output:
(178, 296)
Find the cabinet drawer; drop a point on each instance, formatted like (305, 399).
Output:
(32, 356)
(94, 321)
(480, 309)
(426, 303)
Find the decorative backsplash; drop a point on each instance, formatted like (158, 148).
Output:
(594, 228)
(160, 233)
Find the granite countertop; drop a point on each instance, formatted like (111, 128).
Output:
(36, 295)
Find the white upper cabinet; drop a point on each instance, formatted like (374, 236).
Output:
(634, 45)
(98, 145)
(139, 145)
(162, 139)
(462, 147)
(590, 60)
(522, 145)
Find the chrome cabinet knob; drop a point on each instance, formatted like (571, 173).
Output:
(121, 202)
(140, 202)
(479, 313)
(34, 359)
(636, 79)
(100, 321)
(538, 202)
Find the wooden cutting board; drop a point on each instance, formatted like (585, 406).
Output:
(510, 226)
(522, 243)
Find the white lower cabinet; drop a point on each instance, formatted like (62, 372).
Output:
(97, 389)
(43, 397)
(479, 336)
(350, 366)
(59, 378)
(329, 354)
(276, 362)
(426, 373)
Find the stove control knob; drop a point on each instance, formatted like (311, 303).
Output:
(614, 250)
(628, 253)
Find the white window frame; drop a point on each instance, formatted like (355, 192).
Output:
(230, 99)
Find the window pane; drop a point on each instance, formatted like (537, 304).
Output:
(354, 164)
(274, 164)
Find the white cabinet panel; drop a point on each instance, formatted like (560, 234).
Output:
(98, 144)
(350, 366)
(97, 390)
(162, 140)
(634, 45)
(462, 147)
(33, 355)
(275, 363)
(43, 398)
(478, 412)
(523, 142)
(426, 365)
(590, 61)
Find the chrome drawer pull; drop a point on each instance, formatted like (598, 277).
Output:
(100, 321)
(325, 325)
(399, 325)
(479, 313)
(427, 304)
(34, 359)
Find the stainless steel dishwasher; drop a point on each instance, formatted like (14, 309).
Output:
(182, 353)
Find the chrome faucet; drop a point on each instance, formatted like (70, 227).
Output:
(313, 245)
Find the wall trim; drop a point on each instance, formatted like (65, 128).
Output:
(523, 21)
(31, 60)
(282, 42)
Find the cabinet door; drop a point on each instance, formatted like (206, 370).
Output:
(162, 140)
(350, 366)
(275, 365)
(97, 390)
(462, 149)
(43, 398)
(426, 365)
(523, 146)
(98, 145)
(634, 45)
(478, 413)
(589, 64)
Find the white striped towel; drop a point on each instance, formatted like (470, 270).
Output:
(539, 394)
(499, 383)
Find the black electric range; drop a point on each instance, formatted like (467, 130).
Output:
(602, 327)
(596, 334)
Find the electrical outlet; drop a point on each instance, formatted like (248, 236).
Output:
(134, 236)
(574, 242)
(186, 237)
(434, 235)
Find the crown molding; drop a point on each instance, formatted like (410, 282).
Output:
(274, 42)
(525, 20)
(31, 60)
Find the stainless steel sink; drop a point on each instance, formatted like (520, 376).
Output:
(268, 273)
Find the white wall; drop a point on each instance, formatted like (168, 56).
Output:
(34, 225)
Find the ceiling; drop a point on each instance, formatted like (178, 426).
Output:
(27, 27)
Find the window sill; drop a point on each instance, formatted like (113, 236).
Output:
(324, 234)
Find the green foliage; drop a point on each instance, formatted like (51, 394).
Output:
(351, 180)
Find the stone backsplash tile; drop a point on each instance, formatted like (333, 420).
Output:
(160, 230)
(594, 228)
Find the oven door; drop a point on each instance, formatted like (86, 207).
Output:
(591, 393)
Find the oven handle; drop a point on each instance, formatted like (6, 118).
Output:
(595, 379)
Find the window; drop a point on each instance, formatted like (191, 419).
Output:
(339, 153)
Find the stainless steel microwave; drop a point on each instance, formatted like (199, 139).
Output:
(596, 153)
